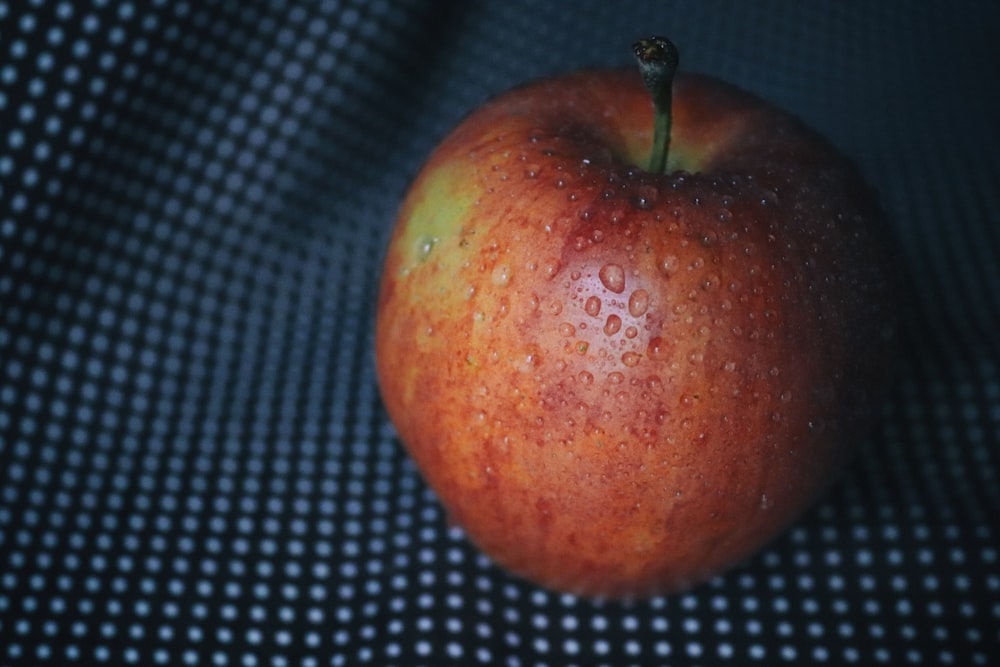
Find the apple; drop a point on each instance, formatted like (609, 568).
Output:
(629, 334)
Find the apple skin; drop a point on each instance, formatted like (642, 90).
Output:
(621, 383)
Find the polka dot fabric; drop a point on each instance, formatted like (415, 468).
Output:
(195, 468)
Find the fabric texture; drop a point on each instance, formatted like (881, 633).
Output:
(195, 468)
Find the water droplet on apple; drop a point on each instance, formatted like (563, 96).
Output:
(786, 396)
(616, 378)
(724, 215)
(613, 325)
(631, 332)
(668, 265)
(425, 244)
(586, 377)
(657, 348)
(645, 197)
(612, 277)
(529, 360)
(638, 303)
(555, 307)
(501, 275)
(550, 268)
(503, 308)
(593, 306)
(597, 235)
(631, 359)
(566, 329)
(817, 426)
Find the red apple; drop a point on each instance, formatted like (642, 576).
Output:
(624, 368)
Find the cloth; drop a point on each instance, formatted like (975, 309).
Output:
(195, 467)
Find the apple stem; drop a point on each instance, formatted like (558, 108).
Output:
(657, 58)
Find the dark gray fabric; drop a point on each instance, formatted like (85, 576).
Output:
(194, 464)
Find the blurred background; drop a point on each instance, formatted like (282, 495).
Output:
(194, 464)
